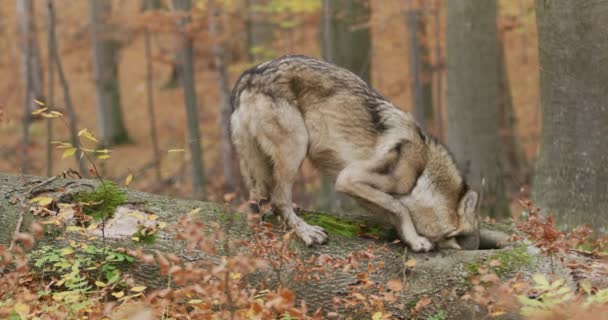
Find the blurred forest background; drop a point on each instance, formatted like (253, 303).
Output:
(150, 78)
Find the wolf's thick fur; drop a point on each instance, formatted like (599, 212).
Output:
(293, 107)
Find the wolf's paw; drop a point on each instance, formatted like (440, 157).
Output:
(311, 234)
(420, 244)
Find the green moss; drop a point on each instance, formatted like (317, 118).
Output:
(345, 227)
(510, 260)
(102, 202)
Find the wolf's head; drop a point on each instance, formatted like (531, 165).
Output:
(442, 206)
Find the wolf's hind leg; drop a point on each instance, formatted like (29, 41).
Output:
(362, 180)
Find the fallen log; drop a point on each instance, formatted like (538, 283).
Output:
(443, 276)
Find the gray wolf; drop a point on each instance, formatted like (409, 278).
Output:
(295, 107)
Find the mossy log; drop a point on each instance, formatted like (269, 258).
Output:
(434, 272)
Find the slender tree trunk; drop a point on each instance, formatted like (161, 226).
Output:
(31, 72)
(513, 159)
(220, 58)
(194, 137)
(112, 130)
(350, 43)
(572, 171)
(438, 73)
(347, 48)
(418, 104)
(51, 86)
(327, 196)
(152, 5)
(472, 97)
(259, 31)
(72, 120)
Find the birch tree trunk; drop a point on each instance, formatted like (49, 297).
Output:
(112, 130)
(187, 82)
(572, 168)
(472, 99)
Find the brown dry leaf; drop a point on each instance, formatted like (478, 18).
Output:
(395, 285)
(491, 277)
(495, 263)
(410, 263)
(421, 304)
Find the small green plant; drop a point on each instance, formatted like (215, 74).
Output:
(101, 203)
(145, 234)
(79, 267)
(440, 315)
(503, 262)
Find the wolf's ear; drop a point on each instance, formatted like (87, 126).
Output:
(468, 203)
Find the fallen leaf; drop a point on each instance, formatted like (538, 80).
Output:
(128, 179)
(395, 285)
(410, 263)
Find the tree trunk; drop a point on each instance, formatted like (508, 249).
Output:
(347, 48)
(513, 160)
(31, 72)
(259, 31)
(220, 57)
(349, 36)
(434, 272)
(187, 81)
(472, 99)
(112, 130)
(152, 5)
(438, 72)
(572, 171)
(420, 68)
(50, 22)
(72, 120)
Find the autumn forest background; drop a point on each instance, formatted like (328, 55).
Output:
(131, 70)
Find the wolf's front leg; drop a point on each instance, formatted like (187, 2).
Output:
(360, 183)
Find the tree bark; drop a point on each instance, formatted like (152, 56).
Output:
(434, 272)
(112, 130)
(187, 82)
(572, 170)
(472, 99)
(221, 58)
